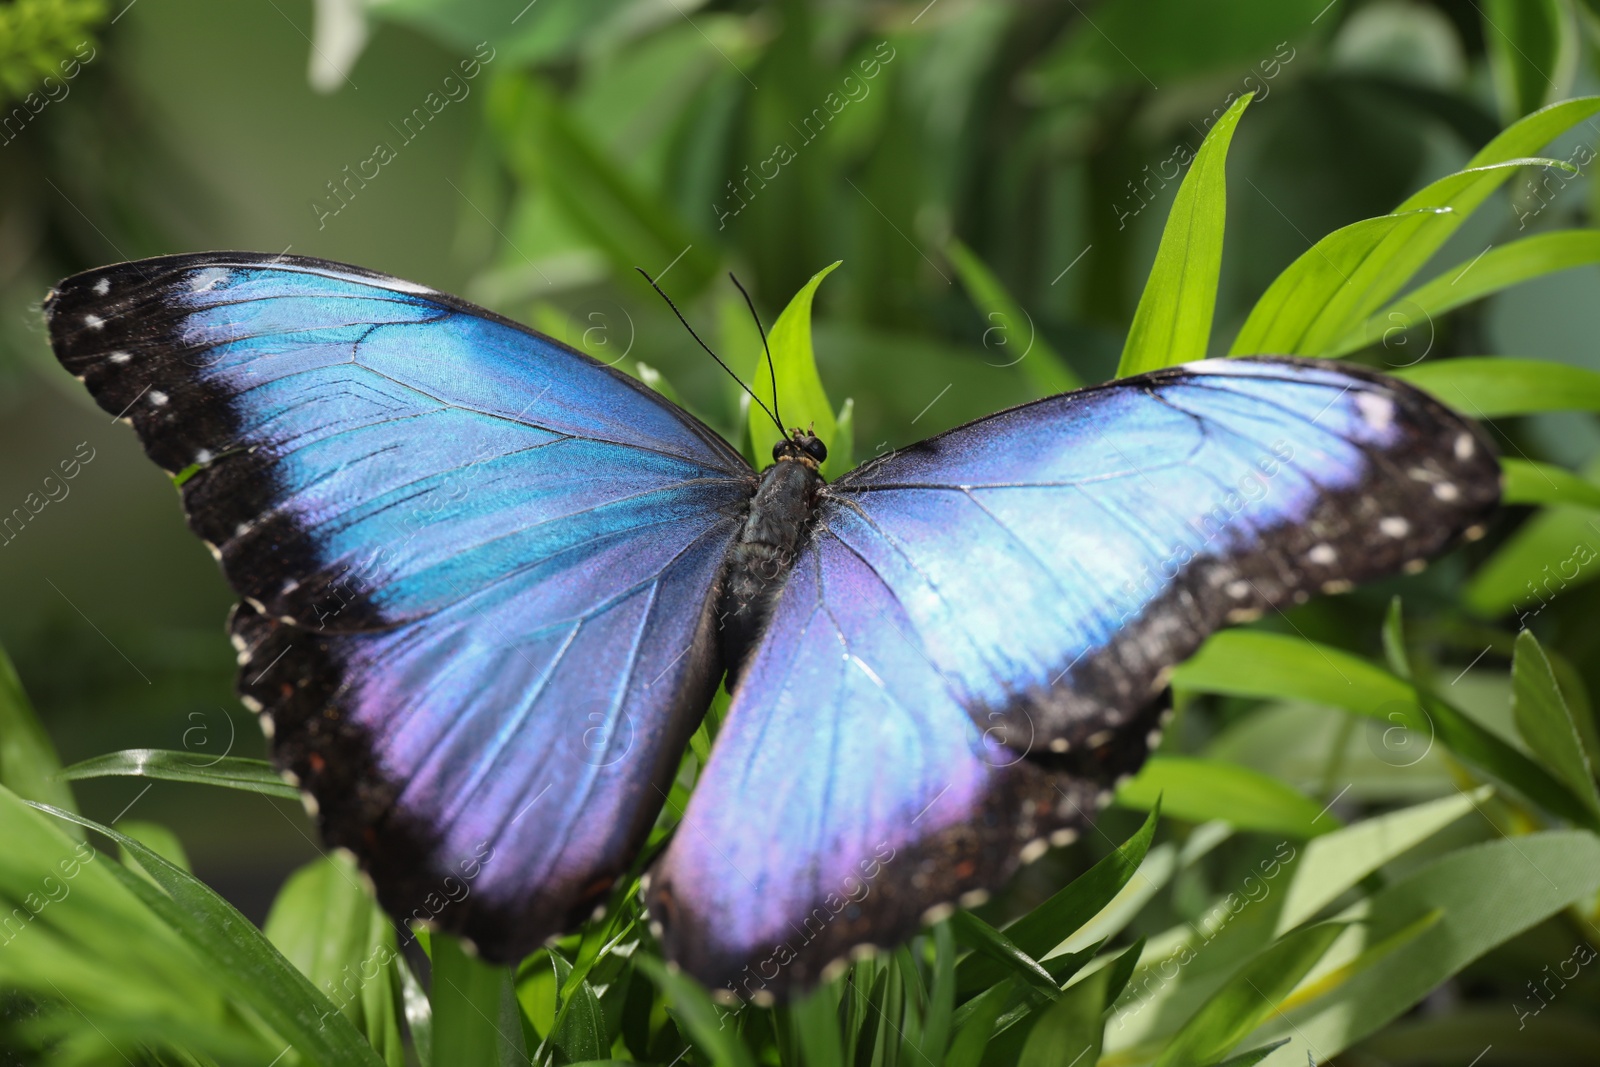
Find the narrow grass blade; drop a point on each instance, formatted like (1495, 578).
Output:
(241, 957)
(467, 996)
(28, 761)
(1527, 482)
(1546, 722)
(701, 1021)
(328, 925)
(1173, 321)
(1200, 790)
(801, 399)
(1012, 337)
(1487, 387)
(1069, 1032)
(232, 772)
(1249, 997)
(1052, 922)
(1495, 269)
(1286, 311)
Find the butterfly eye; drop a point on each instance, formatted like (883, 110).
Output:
(814, 446)
(778, 448)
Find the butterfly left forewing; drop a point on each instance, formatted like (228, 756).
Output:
(478, 568)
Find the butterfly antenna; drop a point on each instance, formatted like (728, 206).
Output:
(772, 371)
(710, 353)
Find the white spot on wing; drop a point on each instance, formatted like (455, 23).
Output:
(209, 278)
(1393, 526)
(120, 357)
(102, 287)
(401, 286)
(1377, 410)
(158, 398)
(1446, 491)
(1238, 589)
(1322, 554)
(1465, 446)
(94, 322)
(1033, 850)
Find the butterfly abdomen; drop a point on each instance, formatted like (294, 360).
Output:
(781, 513)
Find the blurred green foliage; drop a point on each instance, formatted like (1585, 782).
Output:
(1377, 831)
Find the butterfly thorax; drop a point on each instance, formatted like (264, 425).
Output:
(780, 516)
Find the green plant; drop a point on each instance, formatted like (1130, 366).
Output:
(1269, 927)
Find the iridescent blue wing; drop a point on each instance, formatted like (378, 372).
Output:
(1059, 558)
(1022, 585)
(478, 568)
(848, 793)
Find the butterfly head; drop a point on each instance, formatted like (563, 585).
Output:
(802, 446)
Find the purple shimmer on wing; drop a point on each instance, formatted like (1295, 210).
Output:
(842, 748)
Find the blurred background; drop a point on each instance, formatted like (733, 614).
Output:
(528, 155)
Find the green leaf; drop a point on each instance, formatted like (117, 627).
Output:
(1259, 664)
(1055, 920)
(1330, 865)
(1012, 338)
(159, 839)
(941, 998)
(1527, 482)
(1483, 896)
(1409, 245)
(473, 1009)
(1173, 321)
(1253, 663)
(232, 772)
(1487, 387)
(1425, 221)
(1289, 308)
(1287, 886)
(1394, 640)
(239, 956)
(1546, 722)
(1533, 52)
(1495, 269)
(1249, 997)
(700, 1019)
(75, 929)
(977, 1025)
(29, 765)
(801, 399)
(545, 147)
(419, 1012)
(1254, 1056)
(1200, 790)
(816, 1018)
(1120, 971)
(982, 937)
(1548, 556)
(1150, 43)
(1070, 1031)
(326, 923)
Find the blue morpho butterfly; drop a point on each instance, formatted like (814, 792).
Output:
(489, 587)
